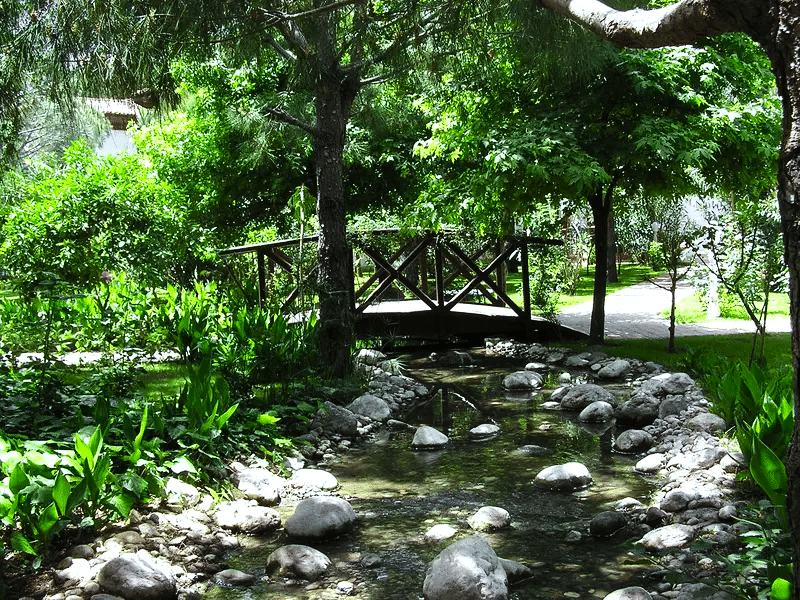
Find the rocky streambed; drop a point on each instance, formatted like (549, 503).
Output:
(481, 482)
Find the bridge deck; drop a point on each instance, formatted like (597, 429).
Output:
(468, 321)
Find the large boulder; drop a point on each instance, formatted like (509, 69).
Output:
(567, 477)
(597, 412)
(247, 517)
(315, 479)
(669, 537)
(321, 517)
(523, 381)
(428, 438)
(297, 560)
(629, 593)
(607, 523)
(467, 570)
(370, 406)
(582, 395)
(633, 441)
(668, 383)
(640, 410)
(138, 576)
(335, 420)
(370, 357)
(486, 431)
(616, 369)
(260, 485)
(707, 422)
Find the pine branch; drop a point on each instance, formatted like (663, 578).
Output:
(281, 116)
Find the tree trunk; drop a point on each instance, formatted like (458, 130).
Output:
(611, 260)
(334, 97)
(601, 206)
(783, 50)
(673, 287)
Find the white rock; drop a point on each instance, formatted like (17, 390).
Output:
(314, 478)
(441, 532)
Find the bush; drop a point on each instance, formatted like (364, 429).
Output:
(99, 214)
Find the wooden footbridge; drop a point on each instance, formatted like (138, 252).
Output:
(416, 285)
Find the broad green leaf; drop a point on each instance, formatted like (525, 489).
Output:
(61, 491)
(102, 471)
(223, 418)
(267, 419)
(48, 519)
(134, 483)
(9, 460)
(122, 503)
(142, 428)
(19, 479)
(84, 452)
(21, 544)
(182, 465)
(77, 496)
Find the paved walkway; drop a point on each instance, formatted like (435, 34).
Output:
(634, 313)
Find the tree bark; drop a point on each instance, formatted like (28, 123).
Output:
(600, 204)
(611, 259)
(783, 56)
(335, 93)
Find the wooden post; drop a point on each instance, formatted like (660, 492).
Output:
(439, 313)
(526, 289)
(262, 279)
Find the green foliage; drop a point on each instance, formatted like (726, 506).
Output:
(263, 347)
(206, 401)
(742, 250)
(46, 489)
(764, 565)
(99, 214)
(190, 319)
(760, 405)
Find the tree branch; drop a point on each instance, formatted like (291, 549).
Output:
(275, 17)
(283, 52)
(279, 115)
(679, 24)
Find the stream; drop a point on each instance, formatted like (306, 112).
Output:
(399, 494)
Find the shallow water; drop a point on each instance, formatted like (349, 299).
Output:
(399, 494)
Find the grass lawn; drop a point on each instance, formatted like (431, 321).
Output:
(692, 310)
(736, 347)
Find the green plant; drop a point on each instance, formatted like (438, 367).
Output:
(190, 319)
(656, 256)
(765, 558)
(760, 405)
(91, 467)
(197, 415)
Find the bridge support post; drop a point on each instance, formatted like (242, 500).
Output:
(262, 279)
(526, 291)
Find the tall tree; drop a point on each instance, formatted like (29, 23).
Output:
(645, 123)
(334, 49)
(775, 25)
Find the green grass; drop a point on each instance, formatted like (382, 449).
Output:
(736, 347)
(689, 310)
(693, 310)
(163, 379)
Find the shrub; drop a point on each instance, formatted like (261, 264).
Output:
(99, 214)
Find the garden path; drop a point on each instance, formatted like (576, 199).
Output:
(635, 313)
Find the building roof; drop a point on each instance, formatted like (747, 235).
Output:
(119, 111)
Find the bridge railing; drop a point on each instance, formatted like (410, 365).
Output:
(440, 269)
